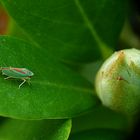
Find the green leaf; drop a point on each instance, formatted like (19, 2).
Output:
(99, 134)
(55, 91)
(1, 120)
(100, 117)
(35, 130)
(78, 30)
(90, 70)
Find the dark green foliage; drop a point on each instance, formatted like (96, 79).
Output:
(99, 134)
(74, 30)
(50, 32)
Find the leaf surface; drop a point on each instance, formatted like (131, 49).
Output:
(55, 90)
(75, 30)
(99, 134)
(100, 117)
(35, 130)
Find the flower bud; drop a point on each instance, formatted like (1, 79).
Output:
(118, 82)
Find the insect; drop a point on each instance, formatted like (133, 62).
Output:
(17, 73)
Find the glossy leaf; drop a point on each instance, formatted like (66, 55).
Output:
(55, 91)
(35, 130)
(99, 134)
(79, 30)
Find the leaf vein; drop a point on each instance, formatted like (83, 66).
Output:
(65, 86)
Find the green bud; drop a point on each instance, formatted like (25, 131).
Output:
(118, 82)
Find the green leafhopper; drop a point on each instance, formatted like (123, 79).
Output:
(17, 73)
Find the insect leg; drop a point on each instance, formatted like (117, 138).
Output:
(22, 83)
(7, 77)
(29, 81)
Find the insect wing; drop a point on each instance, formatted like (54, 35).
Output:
(14, 72)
